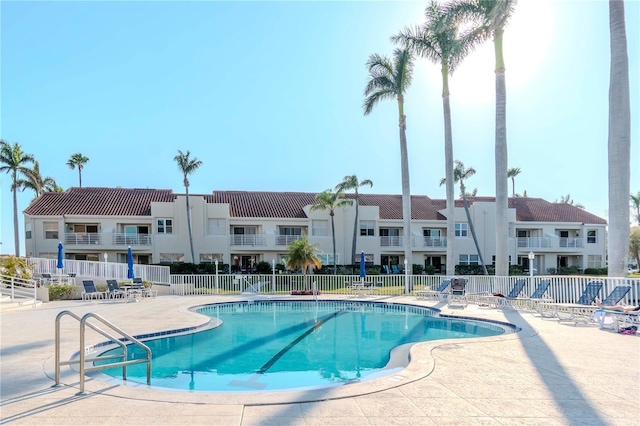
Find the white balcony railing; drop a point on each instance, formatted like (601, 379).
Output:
(248, 240)
(120, 239)
(435, 241)
(392, 241)
(571, 242)
(285, 240)
(82, 238)
(534, 242)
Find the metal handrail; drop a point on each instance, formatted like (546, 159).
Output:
(83, 368)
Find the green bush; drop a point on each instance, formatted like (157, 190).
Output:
(430, 269)
(63, 291)
(263, 267)
(417, 269)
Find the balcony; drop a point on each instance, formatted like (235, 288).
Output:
(570, 242)
(82, 238)
(391, 241)
(248, 240)
(285, 240)
(534, 242)
(120, 239)
(434, 241)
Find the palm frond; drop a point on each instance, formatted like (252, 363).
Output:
(373, 99)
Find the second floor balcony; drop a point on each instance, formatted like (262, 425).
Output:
(107, 238)
(248, 240)
(434, 241)
(285, 240)
(82, 238)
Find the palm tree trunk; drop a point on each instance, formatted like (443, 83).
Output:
(449, 179)
(502, 186)
(16, 231)
(619, 144)
(355, 235)
(80, 175)
(471, 228)
(186, 187)
(333, 235)
(406, 191)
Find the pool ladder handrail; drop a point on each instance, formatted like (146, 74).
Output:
(83, 360)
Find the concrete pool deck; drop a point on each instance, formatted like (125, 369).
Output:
(547, 374)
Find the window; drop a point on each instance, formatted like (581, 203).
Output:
(165, 226)
(468, 259)
(493, 260)
(27, 231)
(389, 232)
(171, 257)
(594, 261)
(367, 228)
(320, 228)
(215, 226)
(290, 231)
(461, 229)
(51, 230)
(431, 233)
(210, 257)
(591, 237)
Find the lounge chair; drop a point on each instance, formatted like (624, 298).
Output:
(457, 292)
(386, 269)
(617, 320)
(395, 269)
(437, 294)
(115, 291)
(494, 301)
(138, 285)
(581, 311)
(45, 279)
(536, 296)
(91, 292)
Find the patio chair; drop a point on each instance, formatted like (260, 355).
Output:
(438, 293)
(494, 301)
(395, 269)
(457, 292)
(581, 311)
(386, 269)
(115, 291)
(536, 296)
(138, 285)
(91, 292)
(45, 278)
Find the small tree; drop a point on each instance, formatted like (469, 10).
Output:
(302, 255)
(328, 200)
(78, 160)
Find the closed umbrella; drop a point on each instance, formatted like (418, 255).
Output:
(60, 264)
(130, 273)
(363, 273)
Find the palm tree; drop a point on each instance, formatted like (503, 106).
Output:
(635, 202)
(459, 175)
(491, 17)
(568, 200)
(347, 184)
(438, 40)
(38, 184)
(512, 173)
(187, 166)
(301, 254)
(15, 163)
(328, 200)
(78, 160)
(619, 145)
(390, 80)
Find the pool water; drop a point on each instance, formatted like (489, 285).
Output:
(279, 345)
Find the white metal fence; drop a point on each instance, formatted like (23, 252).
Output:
(19, 290)
(563, 289)
(106, 270)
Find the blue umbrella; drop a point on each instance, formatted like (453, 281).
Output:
(130, 273)
(363, 273)
(60, 265)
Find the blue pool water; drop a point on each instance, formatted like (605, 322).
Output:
(280, 345)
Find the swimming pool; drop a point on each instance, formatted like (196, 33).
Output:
(278, 345)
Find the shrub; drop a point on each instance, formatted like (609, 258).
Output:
(430, 269)
(63, 291)
(417, 269)
(263, 267)
(15, 267)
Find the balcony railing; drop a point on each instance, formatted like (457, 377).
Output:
(285, 240)
(435, 241)
(392, 241)
(248, 240)
(571, 242)
(534, 242)
(120, 239)
(82, 238)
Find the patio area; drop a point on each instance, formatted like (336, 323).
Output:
(547, 374)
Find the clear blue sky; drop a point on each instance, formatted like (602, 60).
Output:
(269, 96)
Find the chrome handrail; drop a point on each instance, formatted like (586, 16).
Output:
(82, 360)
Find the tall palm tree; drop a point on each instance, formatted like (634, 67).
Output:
(440, 41)
(14, 162)
(329, 200)
(187, 166)
(459, 175)
(348, 183)
(490, 18)
(619, 145)
(635, 202)
(78, 160)
(390, 79)
(512, 173)
(301, 255)
(38, 184)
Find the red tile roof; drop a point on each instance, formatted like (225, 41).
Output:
(257, 204)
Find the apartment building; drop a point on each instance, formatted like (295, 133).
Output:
(242, 228)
